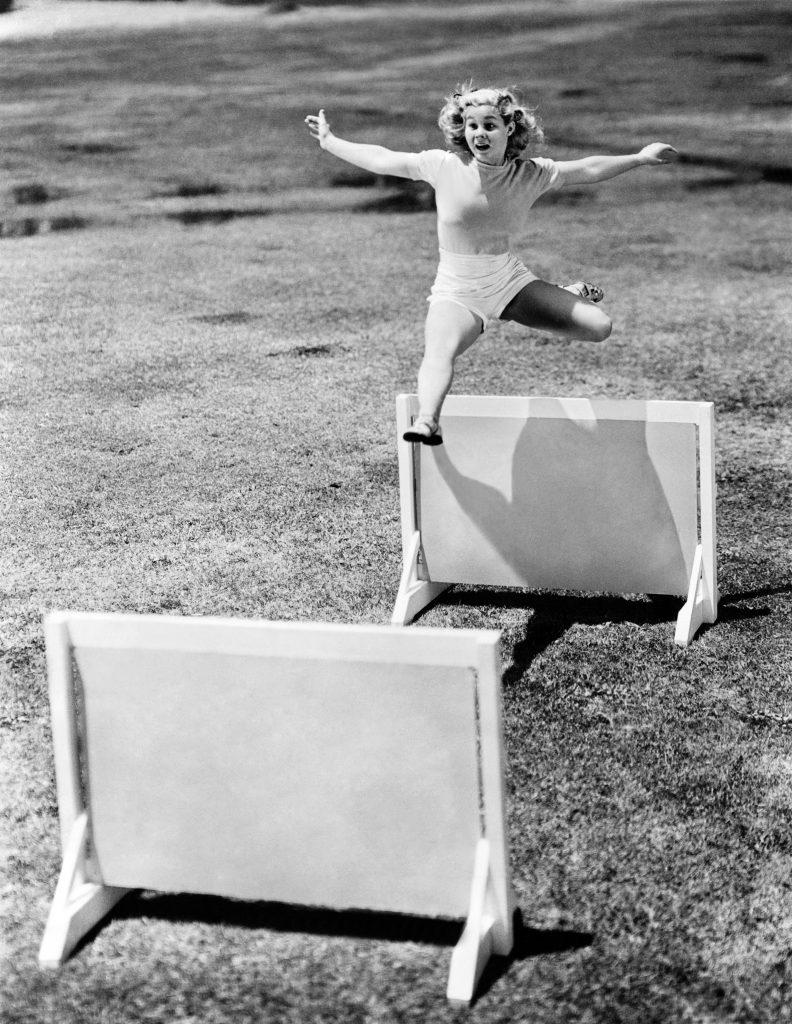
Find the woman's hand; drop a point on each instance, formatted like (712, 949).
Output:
(376, 159)
(318, 127)
(658, 153)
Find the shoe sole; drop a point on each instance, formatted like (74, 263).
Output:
(414, 438)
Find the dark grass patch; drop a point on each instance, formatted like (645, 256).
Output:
(743, 175)
(413, 201)
(190, 190)
(227, 319)
(742, 482)
(399, 195)
(26, 227)
(382, 473)
(767, 259)
(119, 447)
(273, 6)
(307, 351)
(750, 391)
(745, 171)
(355, 178)
(193, 218)
(68, 222)
(20, 227)
(771, 102)
(778, 175)
(569, 197)
(715, 181)
(743, 58)
(95, 148)
(31, 194)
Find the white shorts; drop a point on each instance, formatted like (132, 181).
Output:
(485, 285)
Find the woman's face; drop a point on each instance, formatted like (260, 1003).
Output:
(486, 134)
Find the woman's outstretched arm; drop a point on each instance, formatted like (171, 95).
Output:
(376, 159)
(592, 169)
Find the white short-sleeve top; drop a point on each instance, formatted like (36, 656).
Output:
(479, 206)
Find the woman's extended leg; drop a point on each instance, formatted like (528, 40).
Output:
(450, 330)
(546, 307)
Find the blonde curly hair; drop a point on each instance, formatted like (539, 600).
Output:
(527, 127)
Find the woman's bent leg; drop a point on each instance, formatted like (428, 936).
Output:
(450, 330)
(546, 307)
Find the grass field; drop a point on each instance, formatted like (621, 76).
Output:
(205, 323)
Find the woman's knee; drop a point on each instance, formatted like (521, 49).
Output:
(437, 357)
(598, 326)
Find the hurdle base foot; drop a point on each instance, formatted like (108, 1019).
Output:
(414, 593)
(485, 933)
(78, 905)
(700, 606)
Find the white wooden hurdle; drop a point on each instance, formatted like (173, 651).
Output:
(347, 767)
(604, 495)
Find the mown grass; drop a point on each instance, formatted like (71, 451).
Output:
(198, 418)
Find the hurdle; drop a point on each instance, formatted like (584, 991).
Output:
(595, 495)
(335, 766)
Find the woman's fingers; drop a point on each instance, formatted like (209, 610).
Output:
(317, 123)
(659, 153)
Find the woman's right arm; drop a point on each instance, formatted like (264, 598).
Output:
(376, 159)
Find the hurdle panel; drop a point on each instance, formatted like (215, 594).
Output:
(351, 767)
(545, 493)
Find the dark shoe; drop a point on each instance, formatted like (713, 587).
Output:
(425, 430)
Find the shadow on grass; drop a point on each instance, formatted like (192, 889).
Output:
(728, 613)
(531, 942)
(751, 595)
(184, 908)
(355, 924)
(554, 614)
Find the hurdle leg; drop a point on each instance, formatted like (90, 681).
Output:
(483, 935)
(414, 592)
(698, 607)
(709, 569)
(77, 905)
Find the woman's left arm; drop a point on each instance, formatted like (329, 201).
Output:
(592, 169)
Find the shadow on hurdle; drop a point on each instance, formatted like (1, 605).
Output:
(586, 495)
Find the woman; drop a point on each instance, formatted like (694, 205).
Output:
(484, 189)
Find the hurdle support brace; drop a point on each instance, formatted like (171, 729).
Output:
(78, 905)
(415, 593)
(701, 603)
(486, 932)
